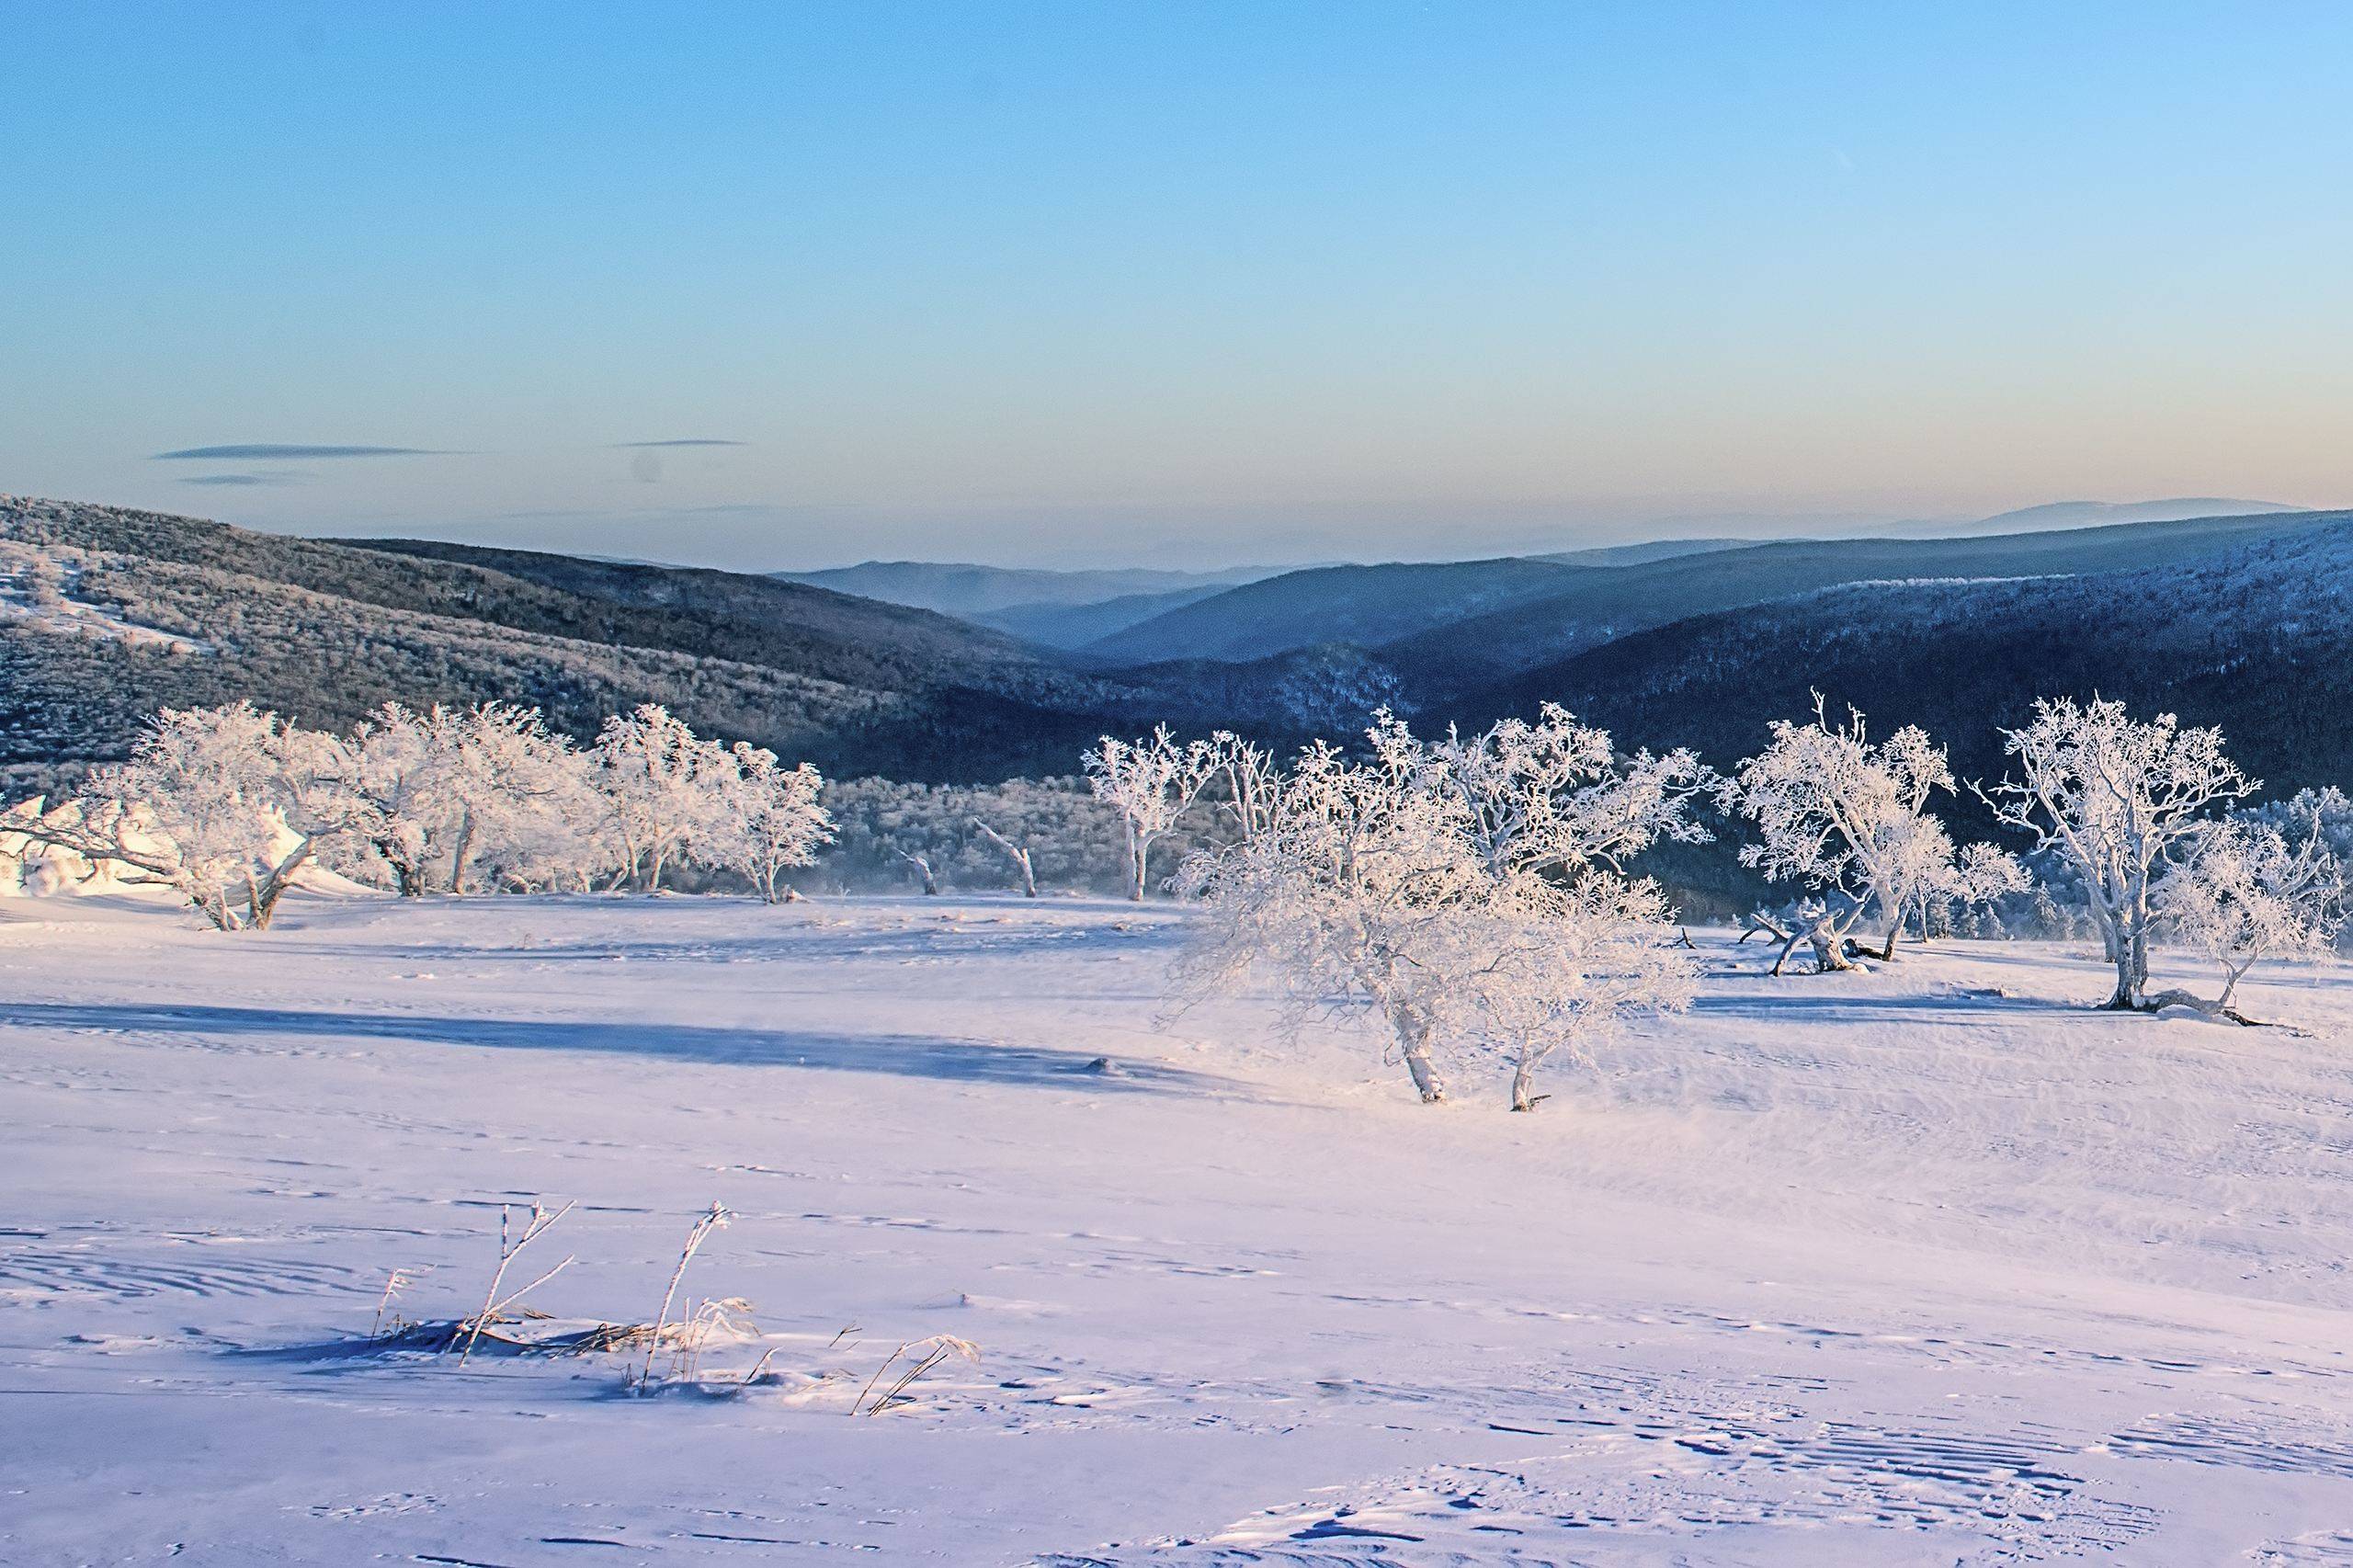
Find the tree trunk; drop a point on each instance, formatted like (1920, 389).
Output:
(2127, 995)
(923, 869)
(461, 853)
(1828, 948)
(264, 900)
(1523, 1085)
(1137, 850)
(408, 879)
(1414, 1044)
(1019, 854)
(2129, 950)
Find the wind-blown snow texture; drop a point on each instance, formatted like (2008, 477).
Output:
(1923, 1266)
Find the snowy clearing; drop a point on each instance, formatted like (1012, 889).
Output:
(1923, 1265)
(56, 611)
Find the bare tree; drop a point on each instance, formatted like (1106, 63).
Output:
(1017, 853)
(922, 864)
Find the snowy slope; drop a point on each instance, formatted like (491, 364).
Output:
(1925, 1266)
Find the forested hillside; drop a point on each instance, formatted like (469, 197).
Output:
(2256, 640)
(1599, 607)
(1451, 627)
(1365, 604)
(327, 630)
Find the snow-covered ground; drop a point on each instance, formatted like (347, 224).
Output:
(1923, 1266)
(66, 614)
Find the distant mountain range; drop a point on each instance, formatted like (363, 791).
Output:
(1456, 624)
(2095, 514)
(961, 588)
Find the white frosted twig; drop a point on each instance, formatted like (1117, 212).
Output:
(719, 1215)
(541, 1218)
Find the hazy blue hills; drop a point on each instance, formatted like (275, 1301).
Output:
(2240, 619)
(2255, 637)
(1451, 624)
(964, 590)
(1364, 604)
(2094, 514)
(1599, 606)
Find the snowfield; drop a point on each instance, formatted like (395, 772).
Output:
(1928, 1265)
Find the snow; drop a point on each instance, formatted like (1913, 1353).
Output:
(67, 615)
(1923, 1265)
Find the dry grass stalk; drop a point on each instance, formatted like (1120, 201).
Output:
(398, 1279)
(508, 1247)
(718, 1216)
(930, 1354)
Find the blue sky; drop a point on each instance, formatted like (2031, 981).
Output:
(1198, 282)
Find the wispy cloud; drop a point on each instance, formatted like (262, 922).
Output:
(240, 479)
(686, 441)
(271, 450)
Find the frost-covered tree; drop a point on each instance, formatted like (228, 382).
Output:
(768, 821)
(403, 772)
(2119, 800)
(2326, 811)
(438, 791)
(1376, 883)
(529, 813)
(1848, 818)
(661, 787)
(223, 805)
(1151, 783)
(1363, 887)
(2243, 893)
(1249, 775)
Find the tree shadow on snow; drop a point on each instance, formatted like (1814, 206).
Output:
(913, 1056)
(1957, 1007)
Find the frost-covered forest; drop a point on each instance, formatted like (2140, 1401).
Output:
(1479, 896)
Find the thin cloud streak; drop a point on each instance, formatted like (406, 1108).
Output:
(240, 479)
(686, 441)
(276, 450)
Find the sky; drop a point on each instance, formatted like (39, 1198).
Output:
(779, 286)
